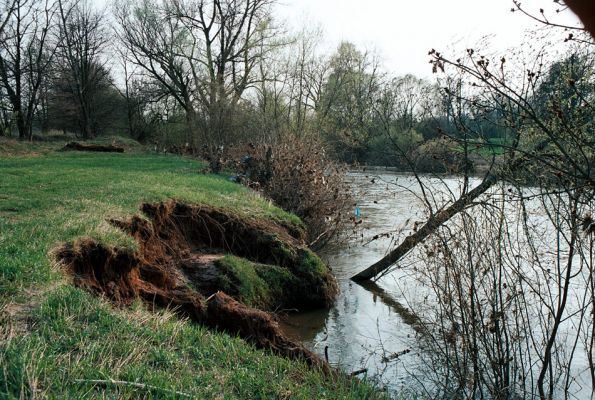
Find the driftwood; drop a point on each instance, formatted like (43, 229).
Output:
(359, 372)
(395, 356)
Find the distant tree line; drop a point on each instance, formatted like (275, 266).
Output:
(53, 69)
(201, 74)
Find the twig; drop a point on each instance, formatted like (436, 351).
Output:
(395, 356)
(359, 372)
(133, 384)
(210, 297)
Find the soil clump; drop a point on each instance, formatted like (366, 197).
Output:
(76, 146)
(182, 263)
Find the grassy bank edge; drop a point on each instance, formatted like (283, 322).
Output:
(56, 339)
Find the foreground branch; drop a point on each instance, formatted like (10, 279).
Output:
(142, 386)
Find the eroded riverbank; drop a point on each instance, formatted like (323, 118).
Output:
(182, 263)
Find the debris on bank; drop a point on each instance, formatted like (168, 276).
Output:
(76, 146)
(211, 266)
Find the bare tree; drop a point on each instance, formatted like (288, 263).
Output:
(307, 72)
(5, 114)
(510, 292)
(235, 36)
(25, 57)
(157, 43)
(292, 83)
(402, 103)
(271, 102)
(345, 109)
(82, 40)
(511, 304)
(204, 54)
(493, 84)
(136, 101)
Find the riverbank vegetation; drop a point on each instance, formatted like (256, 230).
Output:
(60, 341)
(507, 260)
(507, 257)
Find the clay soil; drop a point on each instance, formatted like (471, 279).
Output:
(175, 267)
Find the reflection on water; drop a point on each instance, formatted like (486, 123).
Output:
(370, 327)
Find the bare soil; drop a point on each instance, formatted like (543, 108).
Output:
(76, 146)
(176, 267)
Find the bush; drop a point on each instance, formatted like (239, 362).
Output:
(299, 176)
(390, 151)
(442, 155)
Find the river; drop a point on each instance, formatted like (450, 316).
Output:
(369, 329)
(366, 325)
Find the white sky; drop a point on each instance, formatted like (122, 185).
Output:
(403, 31)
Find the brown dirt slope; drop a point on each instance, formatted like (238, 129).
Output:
(176, 266)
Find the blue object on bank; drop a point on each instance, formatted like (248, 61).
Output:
(358, 212)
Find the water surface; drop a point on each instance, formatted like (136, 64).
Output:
(370, 327)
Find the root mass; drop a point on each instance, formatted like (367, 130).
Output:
(175, 266)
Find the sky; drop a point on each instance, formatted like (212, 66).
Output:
(403, 32)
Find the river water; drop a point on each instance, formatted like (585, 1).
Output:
(369, 330)
(366, 329)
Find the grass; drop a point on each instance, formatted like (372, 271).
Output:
(48, 199)
(17, 148)
(75, 338)
(257, 285)
(52, 334)
(301, 281)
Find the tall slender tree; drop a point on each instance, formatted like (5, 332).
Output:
(26, 54)
(83, 74)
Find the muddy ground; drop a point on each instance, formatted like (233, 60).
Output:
(76, 146)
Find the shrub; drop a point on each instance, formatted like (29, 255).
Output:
(299, 176)
(442, 155)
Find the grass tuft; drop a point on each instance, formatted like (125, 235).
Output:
(257, 285)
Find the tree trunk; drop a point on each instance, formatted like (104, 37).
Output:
(190, 125)
(419, 236)
(437, 220)
(86, 120)
(22, 126)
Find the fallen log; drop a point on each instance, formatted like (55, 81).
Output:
(434, 222)
(76, 146)
(438, 219)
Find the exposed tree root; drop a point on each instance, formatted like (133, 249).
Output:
(176, 267)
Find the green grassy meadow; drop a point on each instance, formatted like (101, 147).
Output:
(55, 339)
